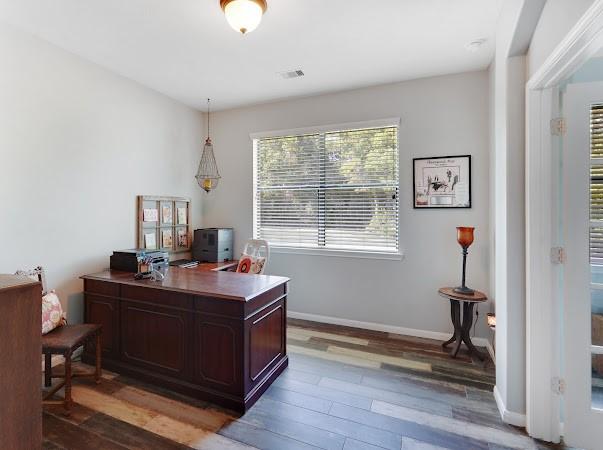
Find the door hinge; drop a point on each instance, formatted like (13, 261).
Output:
(558, 126)
(558, 385)
(557, 255)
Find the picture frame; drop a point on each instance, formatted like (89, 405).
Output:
(182, 215)
(167, 212)
(150, 215)
(442, 182)
(182, 237)
(167, 238)
(159, 216)
(150, 240)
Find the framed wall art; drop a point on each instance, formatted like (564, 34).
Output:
(442, 182)
(164, 223)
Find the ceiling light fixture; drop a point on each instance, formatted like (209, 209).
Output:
(244, 15)
(207, 173)
(474, 46)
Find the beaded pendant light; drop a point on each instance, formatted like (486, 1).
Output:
(207, 174)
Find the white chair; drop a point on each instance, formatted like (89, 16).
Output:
(37, 274)
(257, 249)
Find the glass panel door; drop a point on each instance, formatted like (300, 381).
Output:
(583, 269)
(596, 252)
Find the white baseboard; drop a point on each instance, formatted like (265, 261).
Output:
(510, 417)
(490, 350)
(437, 335)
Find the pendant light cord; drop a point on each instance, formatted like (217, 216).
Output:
(207, 117)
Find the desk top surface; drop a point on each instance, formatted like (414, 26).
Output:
(199, 281)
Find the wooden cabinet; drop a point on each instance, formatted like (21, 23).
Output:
(156, 338)
(21, 350)
(266, 339)
(216, 336)
(104, 310)
(218, 353)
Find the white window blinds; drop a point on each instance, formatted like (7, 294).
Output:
(596, 184)
(328, 190)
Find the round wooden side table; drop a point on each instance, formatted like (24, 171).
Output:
(462, 326)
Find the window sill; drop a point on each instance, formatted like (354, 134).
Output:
(337, 253)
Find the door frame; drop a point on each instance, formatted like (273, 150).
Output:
(543, 332)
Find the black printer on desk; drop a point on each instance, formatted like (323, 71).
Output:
(212, 244)
(127, 260)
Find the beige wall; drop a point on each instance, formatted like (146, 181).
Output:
(446, 115)
(77, 145)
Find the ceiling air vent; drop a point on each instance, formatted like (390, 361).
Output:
(291, 74)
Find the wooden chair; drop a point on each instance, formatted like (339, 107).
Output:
(64, 341)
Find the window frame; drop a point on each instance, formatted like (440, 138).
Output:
(275, 248)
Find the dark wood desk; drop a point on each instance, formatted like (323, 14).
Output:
(214, 335)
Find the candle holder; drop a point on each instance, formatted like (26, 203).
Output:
(465, 239)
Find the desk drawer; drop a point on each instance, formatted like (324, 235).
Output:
(258, 303)
(230, 308)
(160, 297)
(101, 287)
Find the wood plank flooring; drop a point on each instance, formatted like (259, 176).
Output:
(345, 389)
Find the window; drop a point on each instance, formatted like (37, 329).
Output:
(334, 189)
(596, 184)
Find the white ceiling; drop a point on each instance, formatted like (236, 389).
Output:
(186, 50)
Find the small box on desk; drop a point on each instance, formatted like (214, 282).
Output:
(212, 244)
(127, 260)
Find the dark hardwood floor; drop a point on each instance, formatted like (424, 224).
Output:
(344, 389)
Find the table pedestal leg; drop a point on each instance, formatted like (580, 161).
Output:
(466, 330)
(458, 332)
(455, 315)
(462, 328)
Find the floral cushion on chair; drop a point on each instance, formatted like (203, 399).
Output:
(258, 265)
(251, 264)
(52, 312)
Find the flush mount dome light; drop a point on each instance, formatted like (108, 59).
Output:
(475, 46)
(244, 15)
